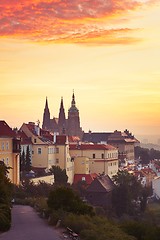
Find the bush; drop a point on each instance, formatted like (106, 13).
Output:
(66, 199)
(5, 217)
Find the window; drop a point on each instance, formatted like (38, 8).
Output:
(102, 155)
(57, 150)
(39, 150)
(2, 145)
(83, 179)
(57, 160)
(94, 155)
(35, 140)
(7, 145)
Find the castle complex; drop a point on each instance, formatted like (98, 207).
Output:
(62, 125)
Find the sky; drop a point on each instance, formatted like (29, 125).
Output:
(107, 51)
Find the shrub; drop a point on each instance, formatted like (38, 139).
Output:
(5, 217)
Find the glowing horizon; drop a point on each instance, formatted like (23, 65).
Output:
(107, 50)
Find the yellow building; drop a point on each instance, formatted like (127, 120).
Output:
(10, 151)
(103, 158)
(81, 165)
(42, 147)
(63, 158)
(48, 149)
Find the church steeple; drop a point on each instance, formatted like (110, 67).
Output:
(73, 100)
(46, 106)
(62, 118)
(73, 107)
(46, 117)
(73, 126)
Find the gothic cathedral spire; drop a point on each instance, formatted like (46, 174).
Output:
(46, 117)
(73, 127)
(61, 119)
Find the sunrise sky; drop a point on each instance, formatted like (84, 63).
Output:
(108, 51)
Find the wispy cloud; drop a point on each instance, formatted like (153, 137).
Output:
(78, 21)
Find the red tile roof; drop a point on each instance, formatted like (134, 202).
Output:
(73, 139)
(91, 147)
(24, 138)
(5, 130)
(148, 171)
(88, 178)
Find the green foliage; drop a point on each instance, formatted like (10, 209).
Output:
(5, 217)
(25, 162)
(141, 230)
(96, 228)
(126, 192)
(22, 161)
(65, 198)
(146, 155)
(28, 160)
(60, 176)
(5, 198)
(28, 189)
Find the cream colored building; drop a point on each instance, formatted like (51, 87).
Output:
(48, 150)
(81, 165)
(62, 155)
(103, 158)
(10, 151)
(43, 149)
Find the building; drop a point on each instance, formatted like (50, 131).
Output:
(123, 141)
(62, 156)
(103, 158)
(10, 151)
(42, 146)
(99, 192)
(48, 149)
(69, 126)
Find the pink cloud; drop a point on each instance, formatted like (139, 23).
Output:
(57, 20)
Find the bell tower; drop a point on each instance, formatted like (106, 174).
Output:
(74, 128)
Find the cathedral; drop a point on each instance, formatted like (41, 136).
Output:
(62, 125)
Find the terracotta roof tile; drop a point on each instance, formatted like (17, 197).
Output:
(91, 147)
(88, 178)
(5, 130)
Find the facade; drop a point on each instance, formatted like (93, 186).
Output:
(69, 126)
(62, 156)
(81, 165)
(156, 187)
(103, 158)
(10, 151)
(48, 149)
(42, 147)
(123, 141)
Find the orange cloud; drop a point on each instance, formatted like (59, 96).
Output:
(59, 21)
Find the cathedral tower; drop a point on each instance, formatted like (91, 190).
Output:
(73, 128)
(46, 117)
(62, 119)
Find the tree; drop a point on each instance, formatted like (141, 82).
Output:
(127, 191)
(66, 199)
(143, 154)
(5, 198)
(60, 176)
(28, 160)
(22, 161)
